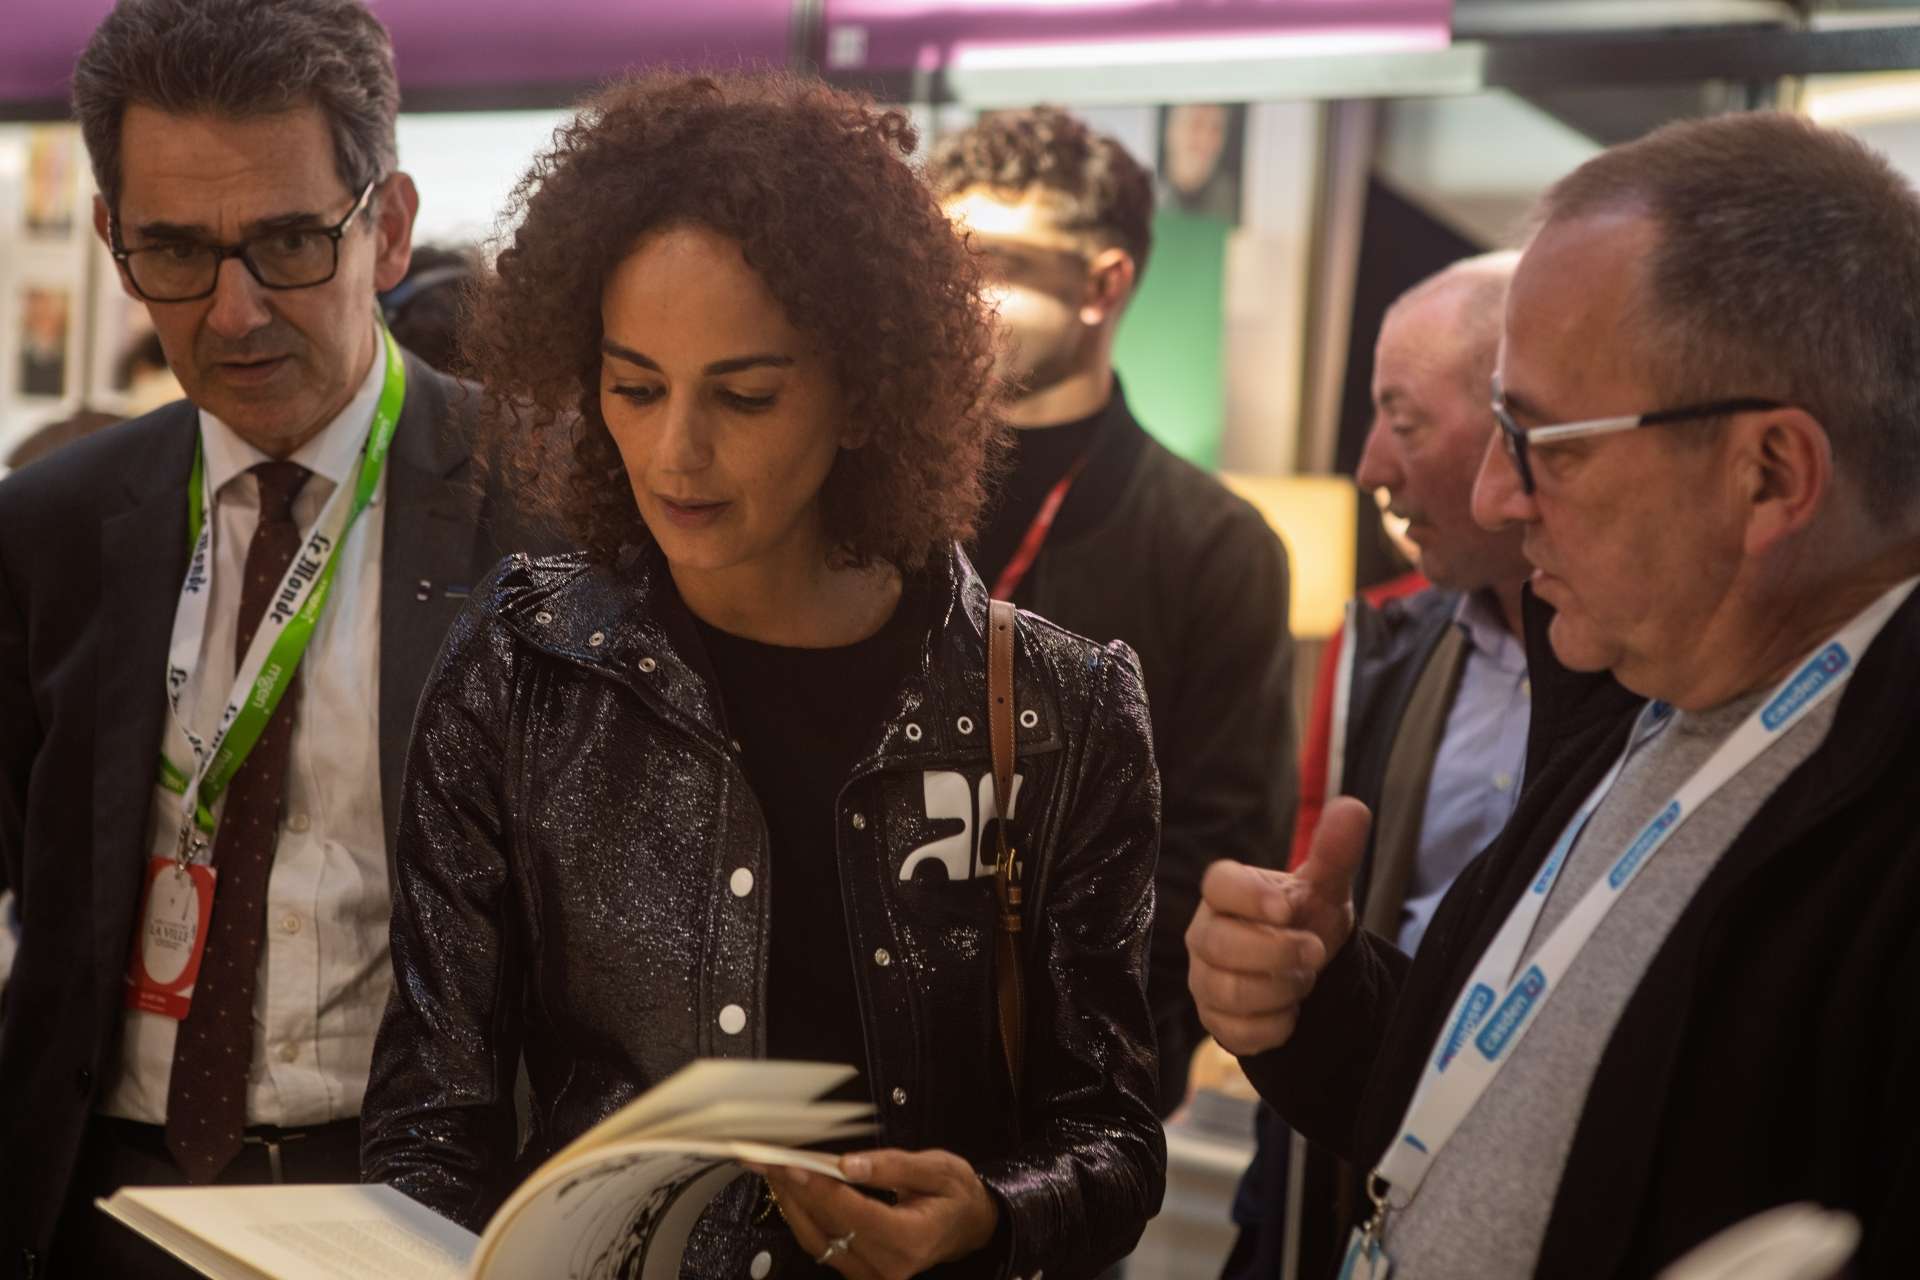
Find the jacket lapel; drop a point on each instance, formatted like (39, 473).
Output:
(427, 560)
(143, 556)
(1403, 792)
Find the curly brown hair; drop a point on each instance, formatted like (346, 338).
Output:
(814, 185)
(1099, 187)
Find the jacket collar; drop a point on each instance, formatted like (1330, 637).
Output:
(628, 622)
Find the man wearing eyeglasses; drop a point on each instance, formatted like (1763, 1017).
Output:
(1679, 988)
(214, 624)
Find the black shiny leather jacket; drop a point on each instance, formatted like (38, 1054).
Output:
(569, 888)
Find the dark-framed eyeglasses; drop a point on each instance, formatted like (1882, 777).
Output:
(289, 258)
(1517, 438)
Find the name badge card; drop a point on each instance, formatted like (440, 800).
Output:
(165, 961)
(1365, 1259)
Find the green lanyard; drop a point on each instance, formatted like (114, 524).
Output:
(252, 702)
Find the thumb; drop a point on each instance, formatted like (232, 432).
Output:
(1333, 859)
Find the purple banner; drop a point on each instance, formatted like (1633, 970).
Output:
(896, 35)
(476, 44)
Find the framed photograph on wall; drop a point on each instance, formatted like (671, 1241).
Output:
(45, 351)
(1202, 151)
(50, 203)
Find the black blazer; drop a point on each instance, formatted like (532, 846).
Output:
(93, 544)
(1770, 1051)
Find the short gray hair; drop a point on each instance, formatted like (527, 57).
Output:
(1787, 265)
(241, 59)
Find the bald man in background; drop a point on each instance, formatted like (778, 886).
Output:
(1430, 690)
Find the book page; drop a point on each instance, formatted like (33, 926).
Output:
(299, 1232)
(615, 1218)
(788, 1124)
(708, 1081)
(622, 1212)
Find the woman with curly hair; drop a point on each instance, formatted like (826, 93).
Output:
(717, 785)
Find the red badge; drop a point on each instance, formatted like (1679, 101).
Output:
(172, 933)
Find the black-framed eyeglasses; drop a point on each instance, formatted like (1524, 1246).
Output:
(289, 258)
(1517, 438)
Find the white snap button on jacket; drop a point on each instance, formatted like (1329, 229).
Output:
(597, 639)
(1029, 718)
(543, 617)
(899, 1097)
(883, 957)
(733, 1019)
(741, 882)
(859, 822)
(761, 1266)
(965, 725)
(647, 665)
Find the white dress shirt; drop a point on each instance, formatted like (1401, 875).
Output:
(324, 972)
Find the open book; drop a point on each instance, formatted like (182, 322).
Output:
(620, 1200)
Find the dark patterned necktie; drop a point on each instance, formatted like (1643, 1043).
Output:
(207, 1093)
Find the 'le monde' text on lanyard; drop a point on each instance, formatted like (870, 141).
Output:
(178, 902)
(1501, 1002)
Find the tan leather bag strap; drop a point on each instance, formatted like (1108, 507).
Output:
(1009, 980)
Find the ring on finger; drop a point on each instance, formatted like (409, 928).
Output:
(835, 1247)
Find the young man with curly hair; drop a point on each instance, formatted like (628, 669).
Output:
(1100, 528)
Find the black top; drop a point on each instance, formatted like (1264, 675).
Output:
(804, 718)
(1041, 455)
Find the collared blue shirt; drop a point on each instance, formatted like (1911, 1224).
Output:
(1476, 775)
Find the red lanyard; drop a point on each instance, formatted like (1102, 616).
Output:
(1016, 571)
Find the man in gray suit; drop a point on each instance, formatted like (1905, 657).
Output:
(214, 623)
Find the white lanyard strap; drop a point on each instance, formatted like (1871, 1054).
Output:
(266, 669)
(1499, 1005)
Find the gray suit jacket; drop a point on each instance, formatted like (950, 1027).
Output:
(93, 544)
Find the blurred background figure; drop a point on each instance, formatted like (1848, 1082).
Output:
(45, 315)
(1101, 529)
(1201, 147)
(1425, 689)
(423, 310)
(142, 370)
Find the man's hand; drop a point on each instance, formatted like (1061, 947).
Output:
(1261, 938)
(941, 1211)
